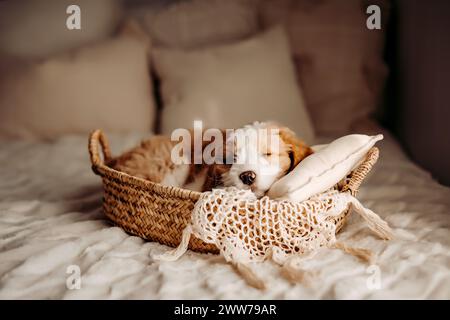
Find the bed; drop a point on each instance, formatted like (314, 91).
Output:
(52, 226)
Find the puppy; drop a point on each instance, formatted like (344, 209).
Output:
(258, 159)
(253, 157)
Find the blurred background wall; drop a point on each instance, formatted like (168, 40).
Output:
(417, 107)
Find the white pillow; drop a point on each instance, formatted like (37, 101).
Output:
(323, 169)
(229, 86)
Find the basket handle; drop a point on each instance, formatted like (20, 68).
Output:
(97, 138)
(358, 175)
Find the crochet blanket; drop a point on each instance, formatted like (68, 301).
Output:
(247, 229)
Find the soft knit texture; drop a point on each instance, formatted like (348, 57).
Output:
(248, 230)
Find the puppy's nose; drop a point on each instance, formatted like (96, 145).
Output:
(247, 177)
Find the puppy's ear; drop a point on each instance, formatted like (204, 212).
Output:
(214, 176)
(297, 149)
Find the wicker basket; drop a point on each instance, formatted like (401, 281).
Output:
(160, 213)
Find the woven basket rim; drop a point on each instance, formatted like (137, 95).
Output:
(100, 167)
(144, 184)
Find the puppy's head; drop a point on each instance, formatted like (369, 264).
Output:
(263, 153)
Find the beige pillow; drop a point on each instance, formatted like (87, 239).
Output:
(232, 85)
(104, 86)
(194, 23)
(33, 28)
(339, 61)
(324, 168)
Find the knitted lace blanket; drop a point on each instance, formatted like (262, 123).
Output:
(247, 229)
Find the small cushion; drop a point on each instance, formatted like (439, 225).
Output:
(323, 169)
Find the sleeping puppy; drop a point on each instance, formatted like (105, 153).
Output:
(259, 159)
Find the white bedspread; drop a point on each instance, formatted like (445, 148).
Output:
(51, 219)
